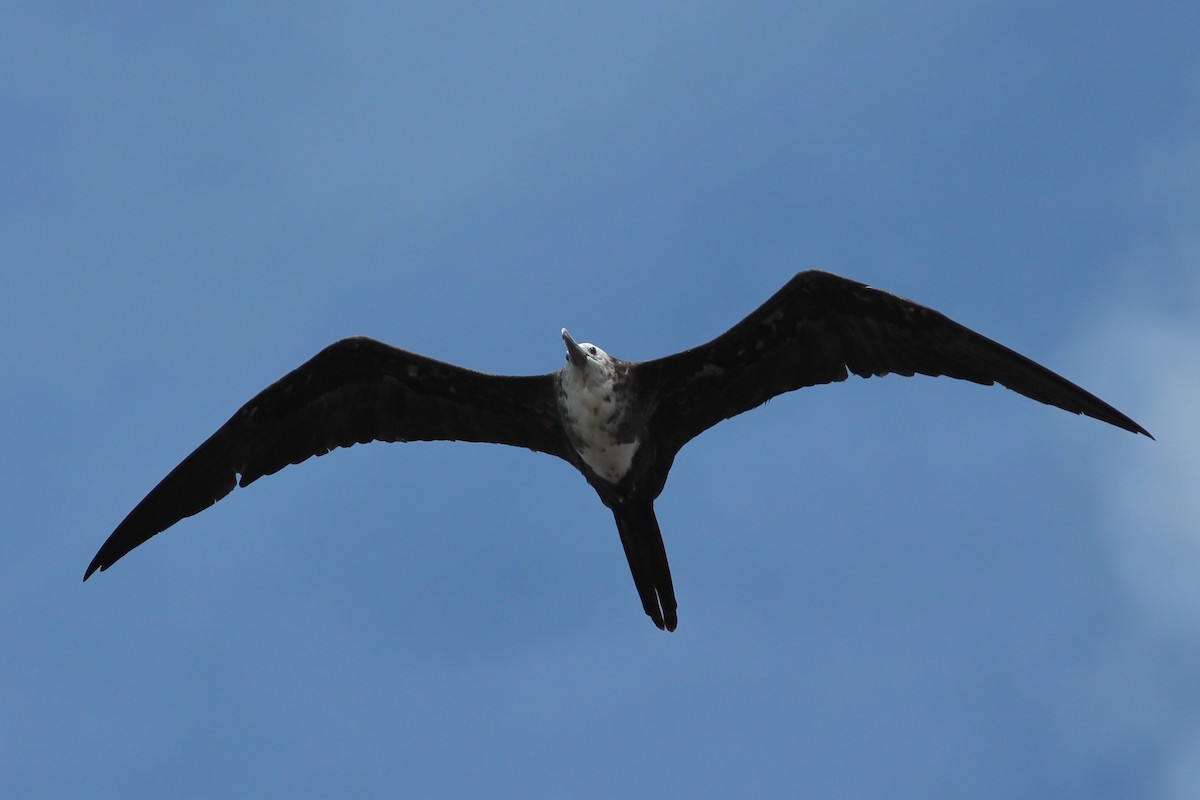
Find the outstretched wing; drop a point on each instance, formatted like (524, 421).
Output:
(821, 327)
(355, 391)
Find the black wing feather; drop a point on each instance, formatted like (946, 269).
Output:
(356, 390)
(818, 329)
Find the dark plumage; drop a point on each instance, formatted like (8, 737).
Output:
(817, 329)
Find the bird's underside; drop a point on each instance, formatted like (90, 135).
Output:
(620, 423)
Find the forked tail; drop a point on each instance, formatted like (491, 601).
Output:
(647, 557)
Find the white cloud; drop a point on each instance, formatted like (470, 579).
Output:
(1151, 494)
(1183, 771)
(1149, 347)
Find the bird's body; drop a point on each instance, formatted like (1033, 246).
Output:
(596, 412)
(619, 423)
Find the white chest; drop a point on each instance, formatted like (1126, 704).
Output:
(592, 414)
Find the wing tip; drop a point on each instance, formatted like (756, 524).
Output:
(1124, 422)
(95, 565)
(103, 559)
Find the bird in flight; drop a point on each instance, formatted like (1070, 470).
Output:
(620, 423)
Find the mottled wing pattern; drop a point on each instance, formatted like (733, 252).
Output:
(818, 329)
(355, 391)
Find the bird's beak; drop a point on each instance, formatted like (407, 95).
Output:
(574, 351)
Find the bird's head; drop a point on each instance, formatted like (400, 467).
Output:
(587, 357)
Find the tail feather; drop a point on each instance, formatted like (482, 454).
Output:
(647, 558)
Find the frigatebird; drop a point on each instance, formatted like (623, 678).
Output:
(620, 423)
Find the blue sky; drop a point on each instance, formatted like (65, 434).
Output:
(888, 588)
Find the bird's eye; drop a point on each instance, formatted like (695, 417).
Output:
(592, 350)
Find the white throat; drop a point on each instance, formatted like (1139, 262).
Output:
(593, 410)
